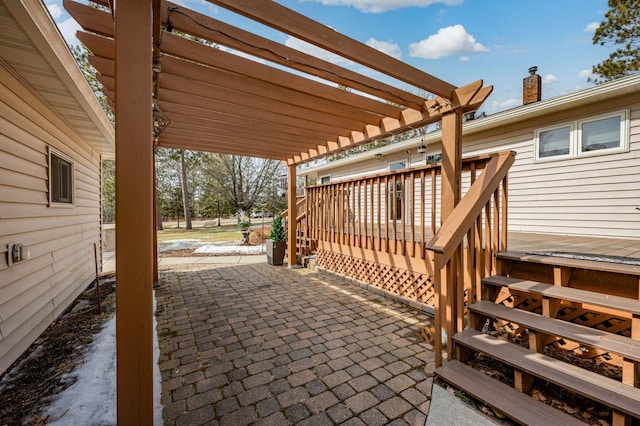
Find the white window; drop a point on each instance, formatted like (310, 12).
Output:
(325, 179)
(61, 175)
(397, 165)
(554, 142)
(593, 136)
(603, 134)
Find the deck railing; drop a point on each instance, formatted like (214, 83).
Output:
(394, 212)
(479, 224)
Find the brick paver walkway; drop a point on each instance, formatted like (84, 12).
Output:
(269, 345)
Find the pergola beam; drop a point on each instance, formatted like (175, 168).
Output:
(292, 23)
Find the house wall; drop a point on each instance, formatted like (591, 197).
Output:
(60, 239)
(583, 196)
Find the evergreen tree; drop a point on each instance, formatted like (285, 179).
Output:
(621, 27)
(277, 231)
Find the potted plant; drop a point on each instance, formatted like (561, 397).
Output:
(245, 230)
(276, 243)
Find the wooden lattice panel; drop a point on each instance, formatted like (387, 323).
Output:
(399, 281)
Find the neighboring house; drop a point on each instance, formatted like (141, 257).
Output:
(53, 135)
(577, 169)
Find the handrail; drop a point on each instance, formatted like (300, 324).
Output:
(464, 215)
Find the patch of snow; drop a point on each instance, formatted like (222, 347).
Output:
(232, 249)
(91, 400)
(179, 244)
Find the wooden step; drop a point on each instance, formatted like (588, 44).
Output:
(566, 293)
(592, 265)
(609, 342)
(609, 392)
(518, 406)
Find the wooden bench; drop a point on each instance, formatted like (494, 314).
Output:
(566, 293)
(516, 405)
(619, 396)
(606, 341)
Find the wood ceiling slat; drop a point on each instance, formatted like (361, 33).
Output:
(198, 115)
(232, 150)
(290, 22)
(197, 52)
(247, 132)
(258, 103)
(221, 143)
(260, 88)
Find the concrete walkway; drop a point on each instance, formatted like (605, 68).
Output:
(253, 343)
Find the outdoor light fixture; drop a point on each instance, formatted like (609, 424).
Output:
(422, 148)
(378, 156)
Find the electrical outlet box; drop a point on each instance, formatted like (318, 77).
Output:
(16, 253)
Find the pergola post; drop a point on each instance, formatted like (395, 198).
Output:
(450, 196)
(292, 212)
(134, 212)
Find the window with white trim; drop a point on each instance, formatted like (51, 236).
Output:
(325, 179)
(61, 175)
(599, 135)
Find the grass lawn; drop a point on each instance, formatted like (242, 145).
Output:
(206, 234)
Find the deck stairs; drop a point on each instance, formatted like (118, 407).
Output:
(554, 305)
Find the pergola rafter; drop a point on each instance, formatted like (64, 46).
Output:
(209, 99)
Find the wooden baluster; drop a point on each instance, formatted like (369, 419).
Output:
(433, 202)
(422, 215)
(412, 213)
(379, 217)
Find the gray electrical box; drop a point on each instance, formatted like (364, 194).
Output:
(16, 253)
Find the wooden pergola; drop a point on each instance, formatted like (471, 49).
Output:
(171, 91)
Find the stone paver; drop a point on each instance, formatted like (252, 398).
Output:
(257, 344)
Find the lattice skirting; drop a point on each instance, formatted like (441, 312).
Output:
(399, 281)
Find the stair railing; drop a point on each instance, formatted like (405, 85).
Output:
(486, 199)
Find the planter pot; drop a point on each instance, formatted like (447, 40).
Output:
(275, 252)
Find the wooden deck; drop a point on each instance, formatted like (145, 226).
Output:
(521, 241)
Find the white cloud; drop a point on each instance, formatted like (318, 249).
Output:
(585, 73)
(447, 41)
(497, 106)
(310, 49)
(549, 78)
(68, 28)
(55, 10)
(388, 47)
(464, 58)
(591, 27)
(378, 6)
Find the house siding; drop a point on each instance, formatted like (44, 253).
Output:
(582, 196)
(60, 239)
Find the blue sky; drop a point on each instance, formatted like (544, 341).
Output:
(459, 41)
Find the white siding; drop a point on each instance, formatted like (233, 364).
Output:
(584, 196)
(61, 239)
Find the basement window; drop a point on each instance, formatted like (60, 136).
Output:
(600, 135)
(61, 175)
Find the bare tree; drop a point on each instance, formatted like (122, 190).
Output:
(185, 191)
(244, 180)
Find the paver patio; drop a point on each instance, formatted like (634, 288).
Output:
(261, 344)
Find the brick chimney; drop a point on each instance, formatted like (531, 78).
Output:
(532, 87)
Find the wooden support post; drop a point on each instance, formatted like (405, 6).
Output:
(292, 258)
(134, 212)
(522, 381)
(450, 196)
(155, 223)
